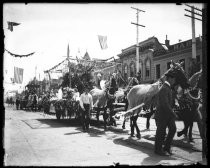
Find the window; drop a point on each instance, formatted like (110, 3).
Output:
(182, 60)
(168, 65)
(147, 68)
(140, 67)
(132, 69)
(125, 71)
(157, 71)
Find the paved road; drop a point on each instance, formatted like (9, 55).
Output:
(30, 139)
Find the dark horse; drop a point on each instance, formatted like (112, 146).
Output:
(145, 94)
(190, 106)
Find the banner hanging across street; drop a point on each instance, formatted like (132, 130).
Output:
(18, 75)
(103, 41)
(11, 24)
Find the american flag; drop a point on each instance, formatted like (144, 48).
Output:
(103, 42)
(18, 75)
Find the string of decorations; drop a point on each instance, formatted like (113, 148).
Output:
(16, 55)
(47, 71)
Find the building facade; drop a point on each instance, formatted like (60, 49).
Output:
(154, 58)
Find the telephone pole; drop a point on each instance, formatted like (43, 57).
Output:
(69, 66)
(137, 34)
(203, 18)
(193, 13)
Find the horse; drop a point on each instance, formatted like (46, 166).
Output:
(60, 108)
(100, 98)
(11, 101)
(146, 94)
(191, 107)
(46, 104)
(34, 102)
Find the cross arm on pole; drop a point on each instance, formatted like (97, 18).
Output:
(193, 7)
(193, 17)
(138, 9)
(137, 24)
(193, 12)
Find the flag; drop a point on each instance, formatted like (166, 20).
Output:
(103, 42)
(68, 51)
(18, 75)
(11, 24)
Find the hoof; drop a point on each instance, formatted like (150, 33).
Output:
(123, 127)
(138, 136)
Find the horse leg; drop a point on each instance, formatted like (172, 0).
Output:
(97, 114)
(184, 131)
(105, 118)
(190, 132)
(138, 135)
(148, 119)
(112, 120)
(132, 126)
(149, 115)
(123, 126)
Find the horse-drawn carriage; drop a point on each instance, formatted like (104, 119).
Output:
(65, 107)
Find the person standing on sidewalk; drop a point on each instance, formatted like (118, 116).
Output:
(86, 103)
(165, 117)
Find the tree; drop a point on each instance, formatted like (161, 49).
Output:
(81, 76)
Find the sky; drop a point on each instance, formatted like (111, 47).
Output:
(47, 29)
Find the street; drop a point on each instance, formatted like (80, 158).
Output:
(31, 139)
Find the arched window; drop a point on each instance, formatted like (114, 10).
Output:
(147, 67)
(132, 69)
(125, 71)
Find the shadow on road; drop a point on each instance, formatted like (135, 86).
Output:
(150, 160)
(183, 143)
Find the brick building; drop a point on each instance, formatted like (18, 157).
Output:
(155, 58)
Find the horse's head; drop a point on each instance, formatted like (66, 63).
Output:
(196, 80)
(179, 74)
(196, 86)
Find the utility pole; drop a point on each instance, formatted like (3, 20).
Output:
(68, 57)
(204, 53)
(193, 13)
(137, 39)
(203, 18)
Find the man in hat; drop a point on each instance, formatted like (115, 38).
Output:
(112, 90)
(86, 103)
(113, 84)
(165, 117)
(138, 76)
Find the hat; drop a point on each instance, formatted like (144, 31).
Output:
(114, 74)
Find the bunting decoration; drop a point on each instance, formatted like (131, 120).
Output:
(16, 55)
(47, 71)
(103, 42)
(11, 24)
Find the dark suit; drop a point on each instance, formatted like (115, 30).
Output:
(164, 117)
